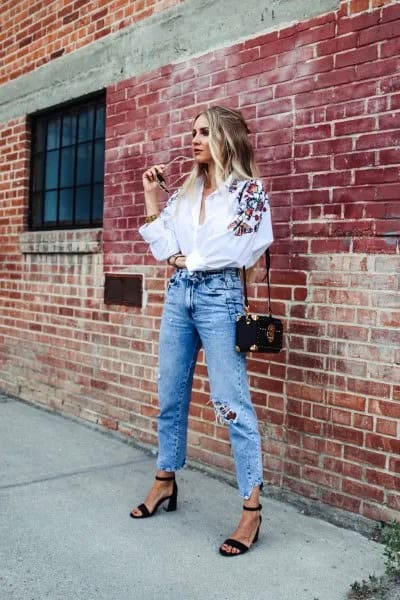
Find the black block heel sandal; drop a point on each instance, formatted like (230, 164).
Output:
(171, 506)
(239, 545)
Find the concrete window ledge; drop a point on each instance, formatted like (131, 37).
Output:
(78, 241)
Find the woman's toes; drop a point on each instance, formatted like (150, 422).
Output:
(229, 549)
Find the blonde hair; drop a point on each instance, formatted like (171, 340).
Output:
(230, 148)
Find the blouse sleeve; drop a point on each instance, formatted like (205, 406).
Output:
(246, 237)
(160, 233)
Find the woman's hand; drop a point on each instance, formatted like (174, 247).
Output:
(177, 260)
(149, 178)
(180, 262)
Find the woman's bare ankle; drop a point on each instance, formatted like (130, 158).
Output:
(254, 500)
(165, 474)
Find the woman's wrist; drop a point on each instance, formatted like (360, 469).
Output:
(171, 259)
(151, 203)
(151, 218)
(177, 260)
(180, 261)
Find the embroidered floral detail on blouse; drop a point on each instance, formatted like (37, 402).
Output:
(253, 203)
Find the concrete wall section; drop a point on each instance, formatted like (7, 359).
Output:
(174, 35)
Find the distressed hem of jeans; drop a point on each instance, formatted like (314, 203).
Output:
(170, 469)
(247, 496)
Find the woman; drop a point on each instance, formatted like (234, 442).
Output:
(216, 223)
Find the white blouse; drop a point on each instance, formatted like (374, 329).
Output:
(236, 230)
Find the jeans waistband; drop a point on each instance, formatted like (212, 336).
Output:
(204, 273)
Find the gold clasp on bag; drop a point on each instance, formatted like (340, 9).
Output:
(271, 330)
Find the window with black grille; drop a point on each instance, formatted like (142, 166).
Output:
(67, 166)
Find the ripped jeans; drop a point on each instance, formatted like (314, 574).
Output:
(200, 311)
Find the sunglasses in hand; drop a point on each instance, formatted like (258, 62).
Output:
(160, 179)
(161, 182)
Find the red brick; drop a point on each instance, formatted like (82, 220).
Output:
(378, 140)
(352, 453)
(383, 480)
(340, 178)
(321, 477)
(337, 44)
(384, 246)
(346, 332)
(304, 489)
(387, 427)
(330, 246)
(355, 126)
(377, 175)
(377, 513)
(358, 6)
(390, 121)
(384, 31)
(303, 424)
(369, 388)
(390, 84)
(360, 490)
(377, 69)
(363, 422)
(316, 34)
(343, 468)
(379, 442)
(355, 160)
(302, 456)
(357, 23)
(390, 13)
(357, 56)
(393, 501)
(341, 501)
(394, 465)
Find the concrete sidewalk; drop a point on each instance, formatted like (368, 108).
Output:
(65, 495)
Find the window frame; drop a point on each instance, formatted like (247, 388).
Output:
(63, 110)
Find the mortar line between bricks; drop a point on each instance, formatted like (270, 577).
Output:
(73, 473)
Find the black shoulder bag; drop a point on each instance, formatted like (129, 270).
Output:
(258, 333)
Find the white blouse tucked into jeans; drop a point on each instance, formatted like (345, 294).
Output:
(237, 228)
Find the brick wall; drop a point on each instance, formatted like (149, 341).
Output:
(14, 187)
(323, 101)
(351, 7)
(37, 32)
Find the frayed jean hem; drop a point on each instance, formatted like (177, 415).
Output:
(259, 482)
(169, 469)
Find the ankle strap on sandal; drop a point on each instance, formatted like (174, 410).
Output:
(165, 478)
(259, 507)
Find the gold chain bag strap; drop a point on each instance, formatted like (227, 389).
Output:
(258, 333)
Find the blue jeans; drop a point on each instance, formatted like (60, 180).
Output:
(200, 310)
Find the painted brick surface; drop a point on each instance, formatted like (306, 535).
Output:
(37, 32)
(322, 99)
